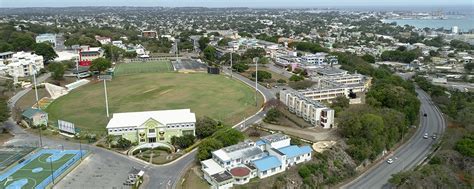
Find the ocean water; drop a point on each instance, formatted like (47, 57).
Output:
(464, 23)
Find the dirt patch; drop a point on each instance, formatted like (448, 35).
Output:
(4, 137)
(193, 179)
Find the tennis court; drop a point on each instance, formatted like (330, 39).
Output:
(143, 67)
(9, 155)
(40, 169)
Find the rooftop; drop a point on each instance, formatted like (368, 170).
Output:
(221, 177)
(240, 171)
(6, 53)
(211, 167)
(294, 151)
(330, 71)
(267, 163)
(274, 138)
(248, 151)
(30, 112)
(163, 116)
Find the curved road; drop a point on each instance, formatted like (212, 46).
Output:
(107, 169)
(411, 153)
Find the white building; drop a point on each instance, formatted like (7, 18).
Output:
(310, 110)
(47, 37)
(239, 163)
(23, 64)
(152, 126)
(455, 30)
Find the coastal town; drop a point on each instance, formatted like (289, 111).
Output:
(194, 97)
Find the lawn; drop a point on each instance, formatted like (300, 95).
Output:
(143, 67)
(216, 96)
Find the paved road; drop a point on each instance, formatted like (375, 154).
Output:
(410, 154)
(267, 94)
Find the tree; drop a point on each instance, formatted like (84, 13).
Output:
(22, 42)
(100, 64)
(210, 53)
(183, 142)
(369, 58)
(206, 147)
(4, 110)
(469, 67)
(46, 51)
(340, 103)
(203, 42)
(296, 78)
(254, 52)
(57, 69)
(240, 67)
(4, 46)
(229, 136)
(206, 126)
(272, 115)
(123, 143)
(223, 42)
(113, 53)
(465, 146)
(262, 75)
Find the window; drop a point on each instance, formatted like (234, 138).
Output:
(264, 172)
(151, 130)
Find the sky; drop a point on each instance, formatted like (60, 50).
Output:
(231, 3)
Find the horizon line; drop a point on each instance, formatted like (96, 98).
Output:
(298, 7)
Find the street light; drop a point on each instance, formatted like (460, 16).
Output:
(52, 171)
(231, 62)
(36, 90)
(256, 79)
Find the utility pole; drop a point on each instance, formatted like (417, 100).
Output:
(256, 80)
(231, 63)
(80, 147)
(36, 90)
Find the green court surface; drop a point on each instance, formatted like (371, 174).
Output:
(36, 171)
(143, 67)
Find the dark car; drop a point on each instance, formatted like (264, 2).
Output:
(424, 114)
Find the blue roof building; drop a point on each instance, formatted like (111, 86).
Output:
(294, 151)
(267, 163)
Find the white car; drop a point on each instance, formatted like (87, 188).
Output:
(425, 136)
(390, 161)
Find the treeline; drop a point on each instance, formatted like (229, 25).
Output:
(309, 47)
(391, 107)
(456, 104)
(403, 55)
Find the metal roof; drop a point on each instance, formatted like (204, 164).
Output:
(133, 119)
(30, 112)
(267, 163)
(294, 151)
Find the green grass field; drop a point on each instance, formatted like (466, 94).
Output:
(143, 67)
(216, 96)
(40, 162)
